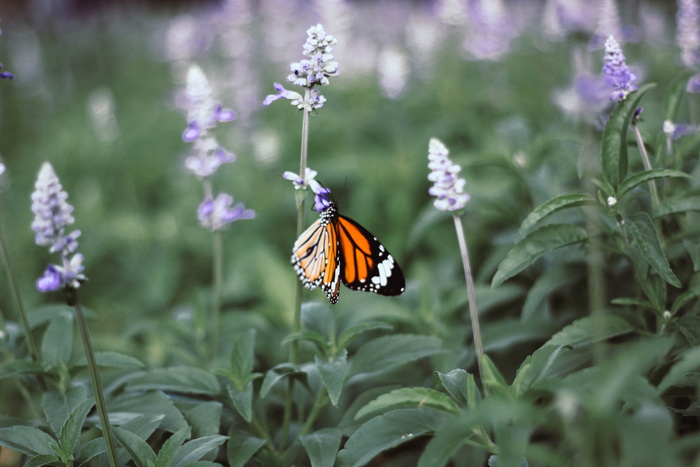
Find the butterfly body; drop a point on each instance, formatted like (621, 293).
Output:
(337, 249)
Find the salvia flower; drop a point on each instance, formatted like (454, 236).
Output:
(311, 72)
(298, 181)
(447, 187)
(217, 214)
(617, 74)
(688, 31)
(2, 168)
(52, 216)
(5, 74)
(203, 114)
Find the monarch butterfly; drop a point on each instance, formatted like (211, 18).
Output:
(335, 248)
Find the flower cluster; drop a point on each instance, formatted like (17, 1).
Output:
(688, 31)
(617, 74)
(310, 72)
(203, 114)
(448, 187)
(322, 199)
(52, 216)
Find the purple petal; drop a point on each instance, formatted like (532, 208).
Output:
(192, 132)
(223, 115)
(50, 281)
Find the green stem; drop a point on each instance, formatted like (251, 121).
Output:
(647, 163)
(296, 321)
(473, 312)
(36, 356)
(217, 273)
(320, 402)
(96, 384)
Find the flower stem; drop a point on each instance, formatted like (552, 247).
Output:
(646, 162)
(473, 312)
(296, 322)
(217, 272)
(96, 384)
(18, 297)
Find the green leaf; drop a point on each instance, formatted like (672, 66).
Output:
(70, 431)
(552, 279)
(553, 205)
(535, 367)
(455, 382)
(204, 418)
(590, 329)
(277, 373)
(638, 178)
(242, 400)
(139, 450)
(319, 318)
(678, 205)
(693, 250)
(152, 403)
(537, 243)
(633, 302)
(21, 367)
(113, 360)
(388, 351)
(686, 363)
(321, 341)
(688, 148)
(675, 93)
(43, 460)
(27, 439)
(57, 346)
(493, 379)
(644, 232)
(57, 407)
(322, 446)
(243, 358)
(447, 440)
(684, 298)
(387, 431)
(333, 374)
(194, 450)
(181, 379)
(614, 142)
(241, 447)
(355, 330)
(167, 452)
(413, 397)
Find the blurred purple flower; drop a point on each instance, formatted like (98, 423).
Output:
(52, 215)
(617, 74)
(693, 86)
(282, 94)
(447, 187)
(688, 31)
(2, 168)
(586, 98)
(216, 214)
(6, 74)
(491, 29)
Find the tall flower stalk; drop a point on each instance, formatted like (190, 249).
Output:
(52, 216)
(215, 213)
(310, 73)
(448, 189)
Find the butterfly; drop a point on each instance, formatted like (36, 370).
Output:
(335, 248)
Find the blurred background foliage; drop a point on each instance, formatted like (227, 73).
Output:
(98, 93)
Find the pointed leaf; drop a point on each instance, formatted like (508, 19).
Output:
(686, 364)
(644, 232)
(675, 93)
(27, 439)
(614, 142)
(139, 450)
(181, 379)
(242, 400)
(321, 341)
(42, 460)
(243, 358)
(322, 446)
(387, 351)
(535, 367)
(167, 452)
(387, 431)
(412, 397)
(587, 330)
(684, 298)
(492, 378)
(152, 403)
(447, 440)
(553, 205)
(241, 447)
(679, 205)
(537, 243)
(456, 384)
(57, 345)
(693, 250)
(113, 360)
(194, 450)
(70, 432)
(57, 407)
(204, 418)
(333, 375)
(347, 336)
(638, 178)
(277, 373)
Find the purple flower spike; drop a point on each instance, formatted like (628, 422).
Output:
(448, 187)
(616, 72)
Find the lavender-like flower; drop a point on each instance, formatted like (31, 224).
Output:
(6, 74)
(617, 74)
(448, 187)
(688, 31)
(52, 216)
(217, 214)
(203, 115)
(310, 72)
(2, 168)
(322, 199)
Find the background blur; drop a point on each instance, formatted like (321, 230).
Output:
(98, 93)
